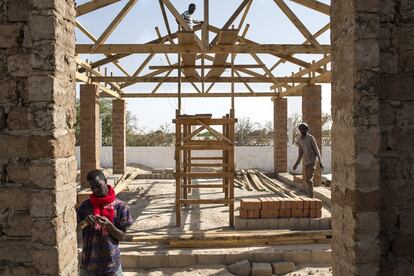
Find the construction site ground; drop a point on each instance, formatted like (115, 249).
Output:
(152, 205)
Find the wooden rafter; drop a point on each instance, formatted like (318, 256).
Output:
(315, 5)
(246, 11)
(231, 19)
(93, 38)
(199, 95)
(299, 25)
(167, 24)
(188, 49)
(261, 79)
(93, 5)
(121, 15)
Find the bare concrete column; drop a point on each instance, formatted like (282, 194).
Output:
(37, 141)
(89, 130)
(372, 137)
(312, 115)
(119, 136)
(280, 135)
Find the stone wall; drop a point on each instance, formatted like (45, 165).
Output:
(37, 163)
(373, 149)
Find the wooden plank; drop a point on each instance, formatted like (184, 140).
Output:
(299, 25)
(93, 5)
(203, 186)
(121, 15)
(205, 201)
(207, 158)
(198, 95)
(205, 175)
(226, 37)
(208, 165)
(315, 5)
(262, 79)
(236, 238)
(164, 16)
(218, 49)
(205, 30)
(217, 134)
(123, 184)
(187, 38)
(231, 19)
(93, 38)
(237, 66)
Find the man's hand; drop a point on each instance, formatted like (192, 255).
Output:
(104, 221)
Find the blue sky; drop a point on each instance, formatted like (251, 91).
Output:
(267, 25)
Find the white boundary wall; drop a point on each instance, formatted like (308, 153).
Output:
(246, 157)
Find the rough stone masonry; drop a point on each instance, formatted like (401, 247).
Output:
(37, 114)
(373, 130)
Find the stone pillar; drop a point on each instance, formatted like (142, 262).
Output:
(89, 130)
(280, 135)
(372, 137)
(312, 115)
(37, 141)
(118, 136)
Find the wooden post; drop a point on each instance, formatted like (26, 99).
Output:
(205, 34)
(178, 142)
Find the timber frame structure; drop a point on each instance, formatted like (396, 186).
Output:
(229, 40)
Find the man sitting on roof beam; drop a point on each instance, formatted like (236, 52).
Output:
(188, 16)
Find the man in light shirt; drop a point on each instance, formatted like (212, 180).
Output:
(308, 149)
(188, 16)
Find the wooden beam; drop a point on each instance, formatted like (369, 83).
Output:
(313, 67)
(199, 95)
(246, 11)
(238, 66)
(315, 5)
(88, 68)
(85, 79)
(262, 79)
(93, 5)
(205, 30)
(299, 25)
(231, 19)
(92, 37)
(121, 15)
(182, 22)
(167, 24)
(189, 49)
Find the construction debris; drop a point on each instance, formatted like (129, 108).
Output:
(256, 180)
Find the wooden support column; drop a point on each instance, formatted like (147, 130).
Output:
(118, 136)
(312, 115)
(89, 130)
(280, 135)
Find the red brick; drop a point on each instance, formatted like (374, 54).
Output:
(306, 213)
(295, 203)
(243, 214)
(315, 213)
(305, 203)
(265, 203)
(312, 204)
(265, 213)
(253, 214)
(318, 204)
(250, 204)
(300, 203)
(275, 203)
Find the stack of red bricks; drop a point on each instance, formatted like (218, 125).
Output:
(277, 207)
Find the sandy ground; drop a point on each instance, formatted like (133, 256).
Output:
(152, 205)
(222, 271)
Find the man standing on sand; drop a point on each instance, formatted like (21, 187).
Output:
(308, 149)
(104, 220)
